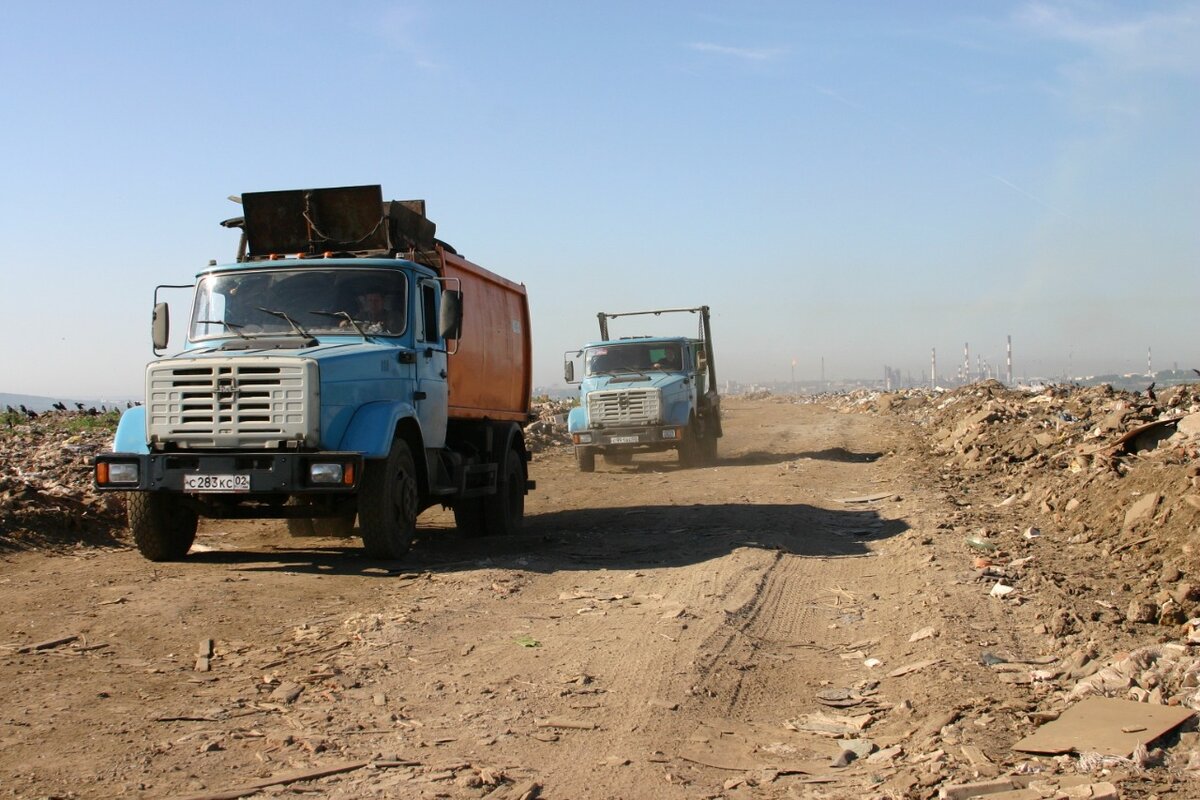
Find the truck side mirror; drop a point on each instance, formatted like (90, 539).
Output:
(160, 326)
(450, 314)
(701, 361)
(569, 371)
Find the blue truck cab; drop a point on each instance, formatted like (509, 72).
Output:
(645, 394)
(314, 386)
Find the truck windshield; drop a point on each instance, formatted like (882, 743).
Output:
(320, 301)
(633, 357)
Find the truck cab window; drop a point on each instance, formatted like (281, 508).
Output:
(429, 313)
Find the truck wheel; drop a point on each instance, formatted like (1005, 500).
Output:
(618, 458)
(689, 447)
(162, 527)
(504, 511)
(708, 448)
(468, 517)
(388, 503)
(586, 457)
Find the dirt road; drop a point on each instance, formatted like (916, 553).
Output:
(654, 633)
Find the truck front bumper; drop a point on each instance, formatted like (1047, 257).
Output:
(248, 473)
(640, 437)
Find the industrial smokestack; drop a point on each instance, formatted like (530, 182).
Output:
(1008, 361)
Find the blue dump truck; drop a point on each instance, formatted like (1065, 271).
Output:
(348, 367)
(645, 394)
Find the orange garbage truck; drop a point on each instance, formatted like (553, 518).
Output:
(346, 372)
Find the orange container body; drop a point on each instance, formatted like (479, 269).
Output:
(491, 373)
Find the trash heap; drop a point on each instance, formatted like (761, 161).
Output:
(1078, 509)
(1116, 472)
(46, 489)
(549, 427)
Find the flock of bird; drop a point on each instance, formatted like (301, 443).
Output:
(91, 411)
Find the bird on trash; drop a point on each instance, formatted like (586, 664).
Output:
(79, 406)
(1150, 391)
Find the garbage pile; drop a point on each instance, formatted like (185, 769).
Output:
(549, 428)
(1078, 508)
(46, 478)
(1115, 470)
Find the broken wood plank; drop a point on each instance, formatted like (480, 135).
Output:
(867, 498)
(281, 780)
(48, 644)
(573, 724)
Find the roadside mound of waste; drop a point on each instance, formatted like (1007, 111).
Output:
(46, 494)
(1079, 507)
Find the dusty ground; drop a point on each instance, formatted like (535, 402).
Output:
(655, 633)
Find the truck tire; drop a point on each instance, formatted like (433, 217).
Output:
(468, 517)
(689, 447)
(618, 458)
(388, 502)
(586, 457)
(708, 448)
(504, 511)
(162, 527)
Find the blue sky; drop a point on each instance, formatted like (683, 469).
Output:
(846, 184)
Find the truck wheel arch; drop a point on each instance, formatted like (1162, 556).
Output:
(131, 432)
(374, 425)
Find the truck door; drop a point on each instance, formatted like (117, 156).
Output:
(431, 391)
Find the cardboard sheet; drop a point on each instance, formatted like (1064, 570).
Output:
(1104, 725)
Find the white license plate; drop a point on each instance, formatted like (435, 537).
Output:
(216, 483)
(623, 440)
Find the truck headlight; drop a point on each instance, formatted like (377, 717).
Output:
(669, 433)
(325, 473)
(116, 472)
(583, 438)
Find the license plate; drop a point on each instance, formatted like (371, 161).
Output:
(216, 483)
(623, 440)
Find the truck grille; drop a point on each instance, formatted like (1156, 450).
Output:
(232, 402)
(623, 407)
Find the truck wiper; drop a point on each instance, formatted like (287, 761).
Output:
(283, 316)
(346, 316)
(233, 326)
